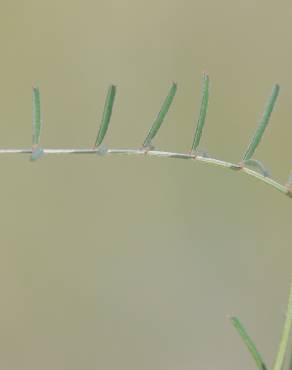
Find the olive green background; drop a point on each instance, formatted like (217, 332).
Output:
(133, 263)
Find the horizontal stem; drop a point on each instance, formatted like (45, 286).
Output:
(158, 153)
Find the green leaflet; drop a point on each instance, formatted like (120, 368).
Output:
(107, 112)
(160, 117)
(203, 113)
(249, 343)
(36, 116)
(36, 124)
(257, 166)
(262, 124)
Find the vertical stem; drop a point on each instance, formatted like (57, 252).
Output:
(279, 361)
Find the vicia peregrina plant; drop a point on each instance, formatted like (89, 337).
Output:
(247, 164)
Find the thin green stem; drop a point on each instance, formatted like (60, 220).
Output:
(280, 357)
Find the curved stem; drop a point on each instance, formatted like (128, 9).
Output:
(159, 153)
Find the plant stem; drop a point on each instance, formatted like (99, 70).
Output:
(278, 365)
(158, 153)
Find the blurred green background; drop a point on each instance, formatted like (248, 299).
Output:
(124, 263)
